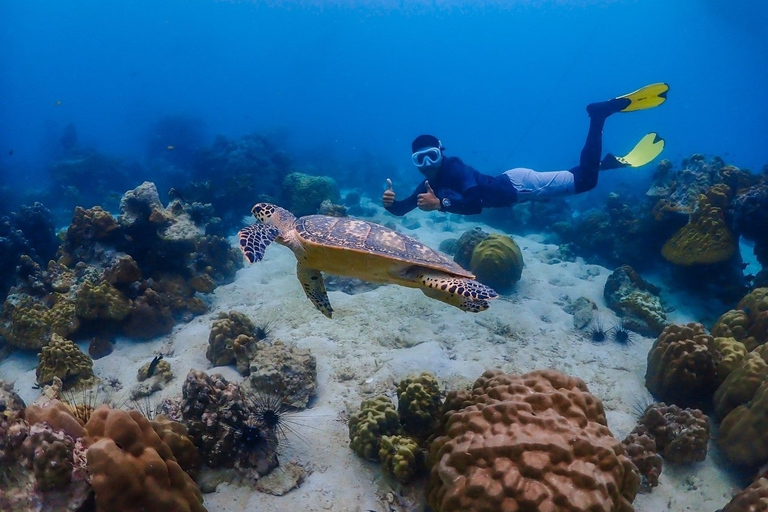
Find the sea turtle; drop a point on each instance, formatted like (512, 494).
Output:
(356, 248)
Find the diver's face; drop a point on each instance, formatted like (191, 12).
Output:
(428, 161)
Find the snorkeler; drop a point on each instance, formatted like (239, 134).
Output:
(452, 186)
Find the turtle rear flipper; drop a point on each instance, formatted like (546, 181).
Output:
(465, 294)
(254, 240)
(312, 282)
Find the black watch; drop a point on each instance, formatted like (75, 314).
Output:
(446, 202)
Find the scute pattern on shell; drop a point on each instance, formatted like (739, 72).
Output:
(355, 234)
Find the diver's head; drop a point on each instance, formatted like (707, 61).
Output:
(427, 154)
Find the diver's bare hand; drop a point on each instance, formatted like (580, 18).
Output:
(428, 201)
(388, 198)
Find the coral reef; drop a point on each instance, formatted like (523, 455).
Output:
(705, 239)
(224, 425)
(635, 300)
(537, 441)
(682, 365)
(497, 262)
(286, 371)
(303, 194)
(30, 232)
(376, 418)
(464, 247)
(751, 499)
(642, 451)
(63, 359)
(233, 336)
(681, 435)
(748, 323)
(140, 273)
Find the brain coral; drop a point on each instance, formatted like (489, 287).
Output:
(533, 442)
(743, 434)
(132, 469)
(497, 262)
(682, 365)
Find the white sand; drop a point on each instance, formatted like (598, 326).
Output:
(381, 336)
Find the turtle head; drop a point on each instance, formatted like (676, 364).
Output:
(268, 213)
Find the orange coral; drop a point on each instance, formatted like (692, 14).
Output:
(133, 469)
(705, 239)
(533, 442)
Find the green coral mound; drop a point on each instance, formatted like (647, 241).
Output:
(418, 404)
(376, 418)
(304, 193)
(61, 358)
(28, 323)
(497, 262)
(101, 302)
(232, 335)
(401, 457)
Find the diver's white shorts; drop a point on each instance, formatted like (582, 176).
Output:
(532, 185)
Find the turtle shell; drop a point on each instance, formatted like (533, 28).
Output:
(370, 238)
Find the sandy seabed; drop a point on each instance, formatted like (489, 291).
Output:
(381, 336)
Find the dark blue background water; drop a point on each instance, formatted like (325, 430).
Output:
(502, 86)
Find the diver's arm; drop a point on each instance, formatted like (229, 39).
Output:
(468, 203)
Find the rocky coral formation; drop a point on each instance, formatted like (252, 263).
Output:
(233, 337)
(681, 435)
(748, 323)
(227, 428)
(497, 262)
(752, 499)
(63, 359)
(140, 273)
(464, 247)
(29, 232)
(303, 194)
(705, 239)
(682, 365)
(740, 385)
(131, 467)
(743, 433)
(285, 371)
(635, 300)
(642, 451)
(537, 441)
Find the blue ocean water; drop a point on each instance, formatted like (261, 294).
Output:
(503, 84)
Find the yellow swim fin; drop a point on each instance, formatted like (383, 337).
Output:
(646, 97)
(644, 152)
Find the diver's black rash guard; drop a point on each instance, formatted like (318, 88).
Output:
(468, 190)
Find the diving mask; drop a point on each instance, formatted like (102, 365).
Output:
(427, 157)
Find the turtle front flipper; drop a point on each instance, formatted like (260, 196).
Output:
(465, 294)
(312, 282)
(254, 240)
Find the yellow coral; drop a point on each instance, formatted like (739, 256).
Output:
(705, 239)
(732, 352)
(63, 359)
(28, 323)
(401, 457)
(101, 302)
(497, 262)
(740, 385)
